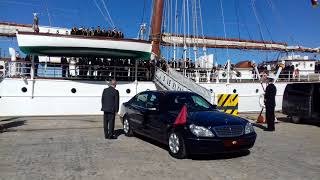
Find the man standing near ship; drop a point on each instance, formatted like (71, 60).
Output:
(269, 98)
(110, 106)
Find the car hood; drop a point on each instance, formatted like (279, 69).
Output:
(214, 118)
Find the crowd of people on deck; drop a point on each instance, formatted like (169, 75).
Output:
(97, 32)
(102, 68)
(181, 63)
(108, 68)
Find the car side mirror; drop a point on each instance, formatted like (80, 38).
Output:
(215, 106)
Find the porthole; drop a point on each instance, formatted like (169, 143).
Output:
(73, 90)
(211, 90)
(257, 90)
(24, 89)
(128, 91)
(224, 74)
(234, 91)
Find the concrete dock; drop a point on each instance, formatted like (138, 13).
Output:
(73, 147)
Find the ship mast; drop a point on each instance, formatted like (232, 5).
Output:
(156, 27)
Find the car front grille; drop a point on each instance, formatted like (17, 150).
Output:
(229, 131)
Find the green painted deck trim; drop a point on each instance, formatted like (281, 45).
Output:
(84, 51)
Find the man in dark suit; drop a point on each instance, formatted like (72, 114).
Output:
(270, 102)
(110, 106)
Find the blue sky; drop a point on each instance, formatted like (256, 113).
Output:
(292, 21)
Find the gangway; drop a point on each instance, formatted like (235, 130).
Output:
(173, 80)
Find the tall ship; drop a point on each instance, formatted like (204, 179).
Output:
(65, 70)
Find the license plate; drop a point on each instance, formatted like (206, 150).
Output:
(230, 143)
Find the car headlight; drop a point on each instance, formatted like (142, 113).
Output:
(200, 131)
(249, 128)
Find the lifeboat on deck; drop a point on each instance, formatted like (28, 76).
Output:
(244, 64)
(78, 45)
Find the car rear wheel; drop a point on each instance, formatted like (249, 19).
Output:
(295, 119)
(177, 148)
(127, 127)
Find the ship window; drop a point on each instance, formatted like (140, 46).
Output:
(211, 90)
(24, 89)
(128, 91)
(73, 90)
(311, 65)
(297, 65)
(234, 91)
(257, 90)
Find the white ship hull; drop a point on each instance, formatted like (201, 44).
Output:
(54, 97)
(250, 94)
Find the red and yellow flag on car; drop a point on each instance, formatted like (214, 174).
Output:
(182, 117)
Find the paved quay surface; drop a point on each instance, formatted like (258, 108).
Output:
(73, 147)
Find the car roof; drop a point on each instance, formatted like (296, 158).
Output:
(164, 92)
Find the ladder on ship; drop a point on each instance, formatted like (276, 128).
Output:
(174, 81)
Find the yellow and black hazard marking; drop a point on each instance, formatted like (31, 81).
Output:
(228, 103)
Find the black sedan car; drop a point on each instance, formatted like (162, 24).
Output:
(205, 131)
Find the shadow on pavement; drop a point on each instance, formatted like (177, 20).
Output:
(9, 119)
(4, 127)
(259, 126)
(151, 141)
(314, 122)
(118, 132)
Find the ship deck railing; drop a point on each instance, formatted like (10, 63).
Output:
(16, 69)
(12, 69)
(206, 75)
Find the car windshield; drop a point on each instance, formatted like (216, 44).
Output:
(194, 102)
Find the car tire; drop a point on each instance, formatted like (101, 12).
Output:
(176, 143)
(127, 129)
(295, 119)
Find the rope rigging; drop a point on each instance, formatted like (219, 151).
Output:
(224, 26)
(257, 18)
(106, 17)
(106, 9)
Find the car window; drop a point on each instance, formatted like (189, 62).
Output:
(200, 102)
(140, 100)
(153, 101)
(194, 102)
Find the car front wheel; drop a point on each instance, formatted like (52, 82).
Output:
(127, 127)
(177, 148)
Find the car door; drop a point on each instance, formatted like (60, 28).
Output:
(137, 110)
(154, 120)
